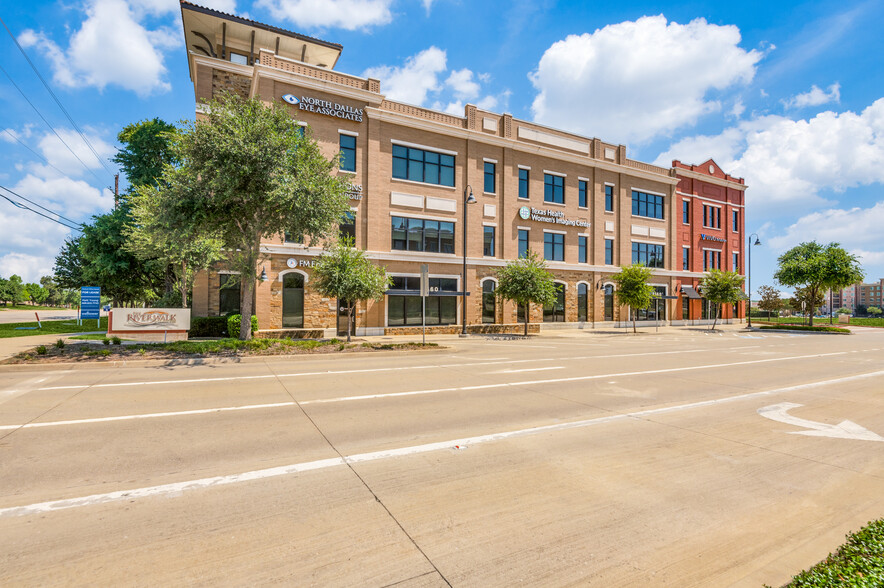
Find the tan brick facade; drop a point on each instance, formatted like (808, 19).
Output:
(477, 138)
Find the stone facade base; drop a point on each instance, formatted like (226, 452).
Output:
(152, 336)
(290, 334)
(507, 329)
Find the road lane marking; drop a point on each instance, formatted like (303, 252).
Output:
(177, 488)
(376, 370)
(408, 393)
(843, 430)
(540, 369)
(561, 380)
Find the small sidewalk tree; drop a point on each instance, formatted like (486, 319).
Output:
(345, 273)
(721, 287)
(524, 281)
(633, 289)
(770, 300)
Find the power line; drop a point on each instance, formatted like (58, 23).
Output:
(22, 206)
(54, 97)
(37, 205)
(28, 100)
(22, 143)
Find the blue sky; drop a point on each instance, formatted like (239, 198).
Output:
(789, 95)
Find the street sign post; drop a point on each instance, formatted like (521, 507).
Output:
(90, 303)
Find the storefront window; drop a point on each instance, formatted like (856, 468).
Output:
(228, 294)
(657, 309)
(609, 302)
(556, 312)
(488, 302)
(582, 302)
(685, 308)
(293, 301)
(404, 307)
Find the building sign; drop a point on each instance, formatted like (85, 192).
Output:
(150, 319)
(355, 192)
(90, 302)
(293, 263)
(545, 215)
(325, 107)
(704, 237)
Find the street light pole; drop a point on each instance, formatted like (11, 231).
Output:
(749, 276)
(467, 199)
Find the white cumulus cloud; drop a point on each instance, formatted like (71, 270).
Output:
(343, 14)
(789, 163)
(414, 80)
(110, 48)
(815, 97)
(636, 80)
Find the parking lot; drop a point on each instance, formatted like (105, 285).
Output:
(679, 458)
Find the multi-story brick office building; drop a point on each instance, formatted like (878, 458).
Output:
(579, 202)
(710, 233)
(871, 294)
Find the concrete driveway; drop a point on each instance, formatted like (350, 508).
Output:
(686, 458)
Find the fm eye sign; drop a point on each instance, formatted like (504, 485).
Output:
(291, 99)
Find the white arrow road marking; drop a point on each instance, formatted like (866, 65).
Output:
(844, 430)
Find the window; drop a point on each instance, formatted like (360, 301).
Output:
(488, 301)
(523, 242)
(556, 312)
(348, 153)
(581, 249)
(735, 220)
(711, 259)
(293, 300)
(553, 246)
(649, 205)
(656, 310)
(609, 252)
(609, 302)
(736, 258)
(582, 303)
(419, 165)
(686, 258)
(686, 212)
(490, 177)
(647, 253)
(347, 227)
(239, 58)
(416, 234)
(228, 294)
(609, 198)
(404, 307)
(523, 183)
(712, 217)
(287, 237)
(581, 193)
(488, 250)
(553, 189)
(685, 308)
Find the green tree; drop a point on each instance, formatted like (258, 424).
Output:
(816, 268)
(843, 310)
(147, 149)
(15, 289)
(4, 291)
(68, 270)
(806, 302)
(722, 287)
(874, 311)
(158, 233)
(633, 289)
(770, 300)
(108, 263)
(344, 273)
(247, 171)
(526, 280)
(36, 293)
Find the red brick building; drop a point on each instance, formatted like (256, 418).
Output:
(709, 232)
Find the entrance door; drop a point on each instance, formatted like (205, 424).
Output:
(342, 319)
(293, 301)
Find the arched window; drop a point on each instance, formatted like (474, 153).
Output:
(293, 300)
(582, 303)
(609, 302)
(556, 312)
(488, 301)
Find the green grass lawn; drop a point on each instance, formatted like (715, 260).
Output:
(798, 320)
(51, 328)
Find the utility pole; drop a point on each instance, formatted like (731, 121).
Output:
(116, 191)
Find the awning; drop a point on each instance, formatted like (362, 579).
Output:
(690, 292)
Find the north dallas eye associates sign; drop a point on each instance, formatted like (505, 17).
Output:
(325, 107)
(149, 324)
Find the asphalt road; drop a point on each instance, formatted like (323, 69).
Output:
(569, 459)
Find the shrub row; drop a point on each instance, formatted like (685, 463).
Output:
(806, 328)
